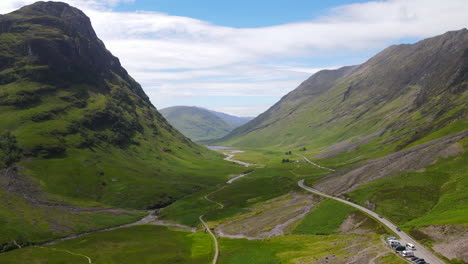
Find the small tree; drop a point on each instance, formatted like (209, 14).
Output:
(9, 151)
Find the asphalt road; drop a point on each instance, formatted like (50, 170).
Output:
(231, 155)
(421, 252)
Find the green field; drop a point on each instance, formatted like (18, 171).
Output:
(297, 249)
(272, 179)
(139, 244)
(24, 223)
(154, 244)
(325, 218)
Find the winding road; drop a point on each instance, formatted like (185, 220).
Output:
(221, 206)
(421, 251)
(231, 155)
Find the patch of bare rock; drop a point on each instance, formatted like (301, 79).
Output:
(452, 240)
(413, 159)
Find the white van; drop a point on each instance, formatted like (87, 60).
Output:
(407, 254)
(410, 246)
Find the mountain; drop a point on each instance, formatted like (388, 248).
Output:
(405, 95)
(233, 120)
(201, 124)
(391, 133)
(77, 130)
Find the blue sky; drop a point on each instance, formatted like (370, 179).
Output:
(241, 57)
(240, 13)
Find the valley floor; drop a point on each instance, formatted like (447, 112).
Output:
(261, 217)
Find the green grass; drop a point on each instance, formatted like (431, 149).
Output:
(271, 180)
(416, 199)
(295, 249)
(390, 258)
(324, 219)
(25, 223)
(139, 244)
(154, 244)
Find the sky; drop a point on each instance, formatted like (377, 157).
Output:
(242, 56)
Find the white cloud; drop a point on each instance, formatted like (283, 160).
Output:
(243, 110)
(211, 59)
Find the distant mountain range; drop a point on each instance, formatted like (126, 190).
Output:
(201, 124)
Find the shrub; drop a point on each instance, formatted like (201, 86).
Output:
(9, 151)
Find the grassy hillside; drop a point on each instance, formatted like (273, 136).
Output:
(233, 120)
(76, 129)
(197, 123)
(431, 196)
(129, 245)
(138, 244)
(403, 95)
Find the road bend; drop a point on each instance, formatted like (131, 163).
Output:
(421, 251)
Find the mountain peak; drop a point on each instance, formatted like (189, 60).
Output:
(51, 8)
(60, 42)
(49, 13)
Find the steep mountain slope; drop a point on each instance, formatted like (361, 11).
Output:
(233, 120)
(197, 123)
(76, 128)
(400, 96)
(394, 130)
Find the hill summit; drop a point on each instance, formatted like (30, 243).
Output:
(402, 96)
(76, 121)
(201, 124)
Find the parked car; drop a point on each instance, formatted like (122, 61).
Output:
(420, 261)
(414, 258)
(390, 238)
(407, 253)
(394, 243)
(410, 246)
(400, 248)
